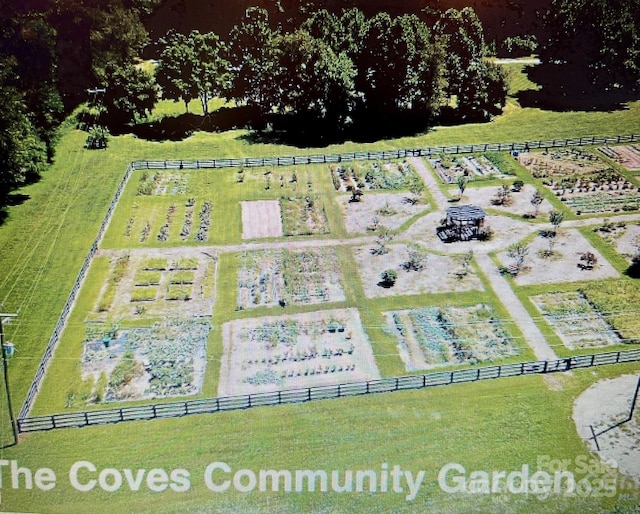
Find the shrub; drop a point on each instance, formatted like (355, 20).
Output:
(388, 277)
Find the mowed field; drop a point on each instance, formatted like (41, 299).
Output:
(494, 426)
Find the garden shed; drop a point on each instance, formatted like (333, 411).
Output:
(462, 222)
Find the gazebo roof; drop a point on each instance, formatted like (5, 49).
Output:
(466, 213)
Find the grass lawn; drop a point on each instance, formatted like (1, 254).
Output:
(493, 426)
(497, 425)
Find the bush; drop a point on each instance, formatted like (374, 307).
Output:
(388, 278)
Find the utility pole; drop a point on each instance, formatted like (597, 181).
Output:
(14, 427)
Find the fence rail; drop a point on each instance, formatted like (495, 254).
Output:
(250, 162)
(386, 385)
(276, 161)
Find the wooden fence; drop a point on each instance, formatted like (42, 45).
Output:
(278, 161)
(251, 162)
(386, 385)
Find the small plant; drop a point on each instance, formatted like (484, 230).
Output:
(417, 257)
(517, 186)
(536, 201)
(503, 196)
(384, 237)
(462, 180)
(555, 218)
(518, 252)
(388, 278)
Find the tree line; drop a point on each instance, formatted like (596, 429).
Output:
(333, 70)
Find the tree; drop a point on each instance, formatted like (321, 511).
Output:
(23, 155)
(416, 188)
(417, 257)
(462, 180)
(598, 36)
(388, 278)
(193, 65)
(536, 201)
(117, 37)
(211, 73)
(518, 252)
(503, 196)
(130, 93)
(634, 269)
(253, 56)
(383, 238)
(478, 86)
(177, 61)
(313, 82)
(555, 218)
(400, 66)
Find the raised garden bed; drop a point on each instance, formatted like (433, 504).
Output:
(625, 155)
(472, 167)
(584, 181)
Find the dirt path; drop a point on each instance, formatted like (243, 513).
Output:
(525, 323)
(442, 202)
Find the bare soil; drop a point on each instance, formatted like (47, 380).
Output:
(520, 201)
(437, 276)
(358, 216)
(261, 218)
(562, 266)
(627, 155)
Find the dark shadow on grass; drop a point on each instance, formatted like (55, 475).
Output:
(566, 88)
(178, 128)
(11, 200)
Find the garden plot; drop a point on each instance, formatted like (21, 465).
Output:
(295, 352)
(431, 337)
(582, 180)
(563, 265)
(281, 276)
(474, 168)
(157, 283)
(439, 273)
(164, 360)
(627, 156)
(374, 176)
(303, 216)
(519, 202)
(381, 209)
(160, 183)
(261, 218)
(175, 223)
(575, 321)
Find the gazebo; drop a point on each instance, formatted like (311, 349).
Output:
(462, 222)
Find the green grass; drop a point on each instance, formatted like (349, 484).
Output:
(491, 426)
(418, 430)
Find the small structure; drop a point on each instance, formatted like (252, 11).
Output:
(462, 222)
